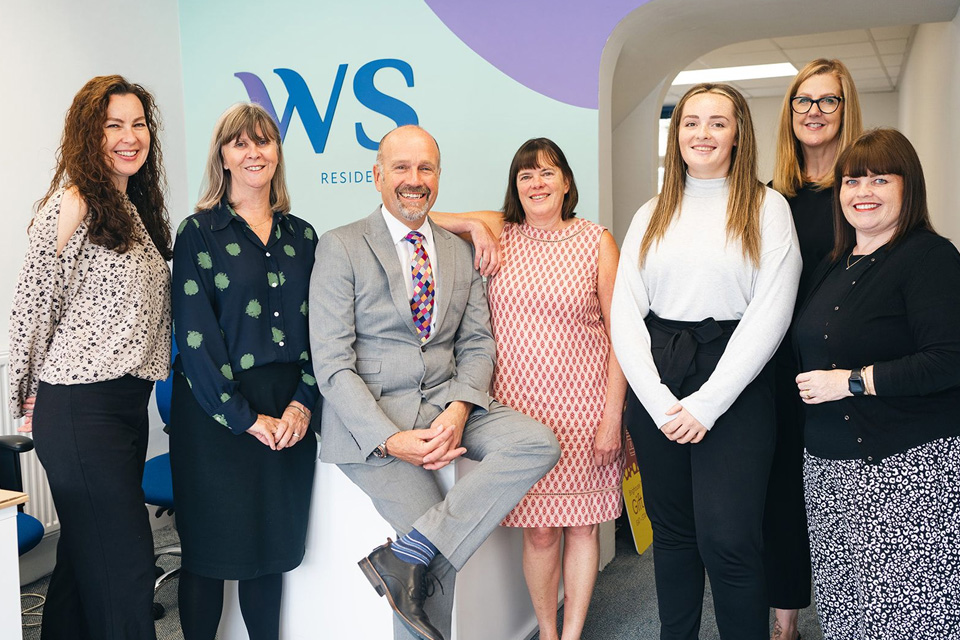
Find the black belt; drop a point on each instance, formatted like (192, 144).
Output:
(678, 359)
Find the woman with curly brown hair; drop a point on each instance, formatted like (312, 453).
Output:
(89, 334)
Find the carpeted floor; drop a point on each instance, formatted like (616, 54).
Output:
(624, 605)
(168, 627)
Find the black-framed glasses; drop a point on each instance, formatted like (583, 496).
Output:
(826, 104)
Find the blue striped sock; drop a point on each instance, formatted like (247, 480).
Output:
(414, 548)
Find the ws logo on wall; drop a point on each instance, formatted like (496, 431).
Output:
(301, 99)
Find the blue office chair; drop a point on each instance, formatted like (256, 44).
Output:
(158, 487)
(29, 529)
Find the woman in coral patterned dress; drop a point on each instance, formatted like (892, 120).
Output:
(550, 304)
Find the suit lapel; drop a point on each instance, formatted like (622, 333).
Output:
(444, 271)
(382, 245)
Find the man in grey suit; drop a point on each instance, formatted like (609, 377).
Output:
(403, 354)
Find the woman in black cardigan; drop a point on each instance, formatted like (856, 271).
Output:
(879, 345)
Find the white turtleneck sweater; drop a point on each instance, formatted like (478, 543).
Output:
(695, 273)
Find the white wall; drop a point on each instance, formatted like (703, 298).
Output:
(929, 104)
(48, 51)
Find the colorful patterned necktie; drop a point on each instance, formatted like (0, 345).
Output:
(421, 304)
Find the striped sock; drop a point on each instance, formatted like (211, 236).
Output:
(414, 548)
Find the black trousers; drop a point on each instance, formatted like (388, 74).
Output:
(705, 501)
(786, 544)
(92, 442)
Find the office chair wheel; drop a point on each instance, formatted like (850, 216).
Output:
(158, 611)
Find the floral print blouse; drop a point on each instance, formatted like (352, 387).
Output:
(89, 314)
(239, 304)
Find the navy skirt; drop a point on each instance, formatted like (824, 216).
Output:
(241, 508)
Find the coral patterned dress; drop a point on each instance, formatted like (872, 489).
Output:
(552, 352)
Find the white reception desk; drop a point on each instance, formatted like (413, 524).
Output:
(328, 596)
(9, 565)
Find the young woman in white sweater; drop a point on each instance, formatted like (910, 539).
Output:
(704, 294)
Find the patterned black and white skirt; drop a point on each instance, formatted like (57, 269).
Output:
(885, 544)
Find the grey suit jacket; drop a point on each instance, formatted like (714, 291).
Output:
(372, 370)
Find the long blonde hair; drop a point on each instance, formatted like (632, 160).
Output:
(746, 191)
(241, 118)
(788, 169)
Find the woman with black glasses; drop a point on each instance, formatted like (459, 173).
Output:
(819, 118)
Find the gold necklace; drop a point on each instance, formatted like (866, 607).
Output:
(260, 224)
(849, 264)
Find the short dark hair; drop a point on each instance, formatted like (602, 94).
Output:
(533, 154)
(881, 151)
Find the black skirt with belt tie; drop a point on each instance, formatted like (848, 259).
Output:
(705, 500)
(241, 507)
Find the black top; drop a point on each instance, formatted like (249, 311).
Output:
(825, 437)
(238, 304)
(812, 210)
(902, 314)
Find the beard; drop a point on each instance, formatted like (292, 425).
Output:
(413, 213)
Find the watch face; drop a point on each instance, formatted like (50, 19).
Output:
(856, 384)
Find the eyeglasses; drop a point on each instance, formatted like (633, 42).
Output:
(826, 104)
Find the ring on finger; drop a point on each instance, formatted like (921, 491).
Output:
(296, 435)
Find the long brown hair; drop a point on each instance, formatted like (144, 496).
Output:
(746, 192)
(82, 163)
(241, 118)
(881, 151)
(532, 154)
(788, 168)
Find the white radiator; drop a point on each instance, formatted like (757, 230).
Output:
(34, 477)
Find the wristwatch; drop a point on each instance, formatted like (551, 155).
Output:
(855, 383)
(381, 450)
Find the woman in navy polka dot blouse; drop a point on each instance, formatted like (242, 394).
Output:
(241, 272)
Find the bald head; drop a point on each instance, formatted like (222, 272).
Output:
(407, 129)
(407, 173)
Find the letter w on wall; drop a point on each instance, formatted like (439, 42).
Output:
(299, 99)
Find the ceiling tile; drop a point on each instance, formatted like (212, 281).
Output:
(870, 86)
(717, 59)
(869, 74)
(841, 51)
(894, 60)
(750, 46)
(892, 46)
(860, 62)
(823, 39)
(780, 84)
(892, 33)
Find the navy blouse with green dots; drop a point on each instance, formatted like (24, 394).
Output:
(238, 304)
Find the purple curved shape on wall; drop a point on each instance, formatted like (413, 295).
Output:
(550, 46)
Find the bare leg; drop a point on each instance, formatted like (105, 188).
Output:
(581, 557)
(785, 625)
(541, 568)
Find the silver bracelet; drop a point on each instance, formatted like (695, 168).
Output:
(293, 406)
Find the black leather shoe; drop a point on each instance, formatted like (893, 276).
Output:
(403, 584)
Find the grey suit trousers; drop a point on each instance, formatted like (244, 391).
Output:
(514, 452)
